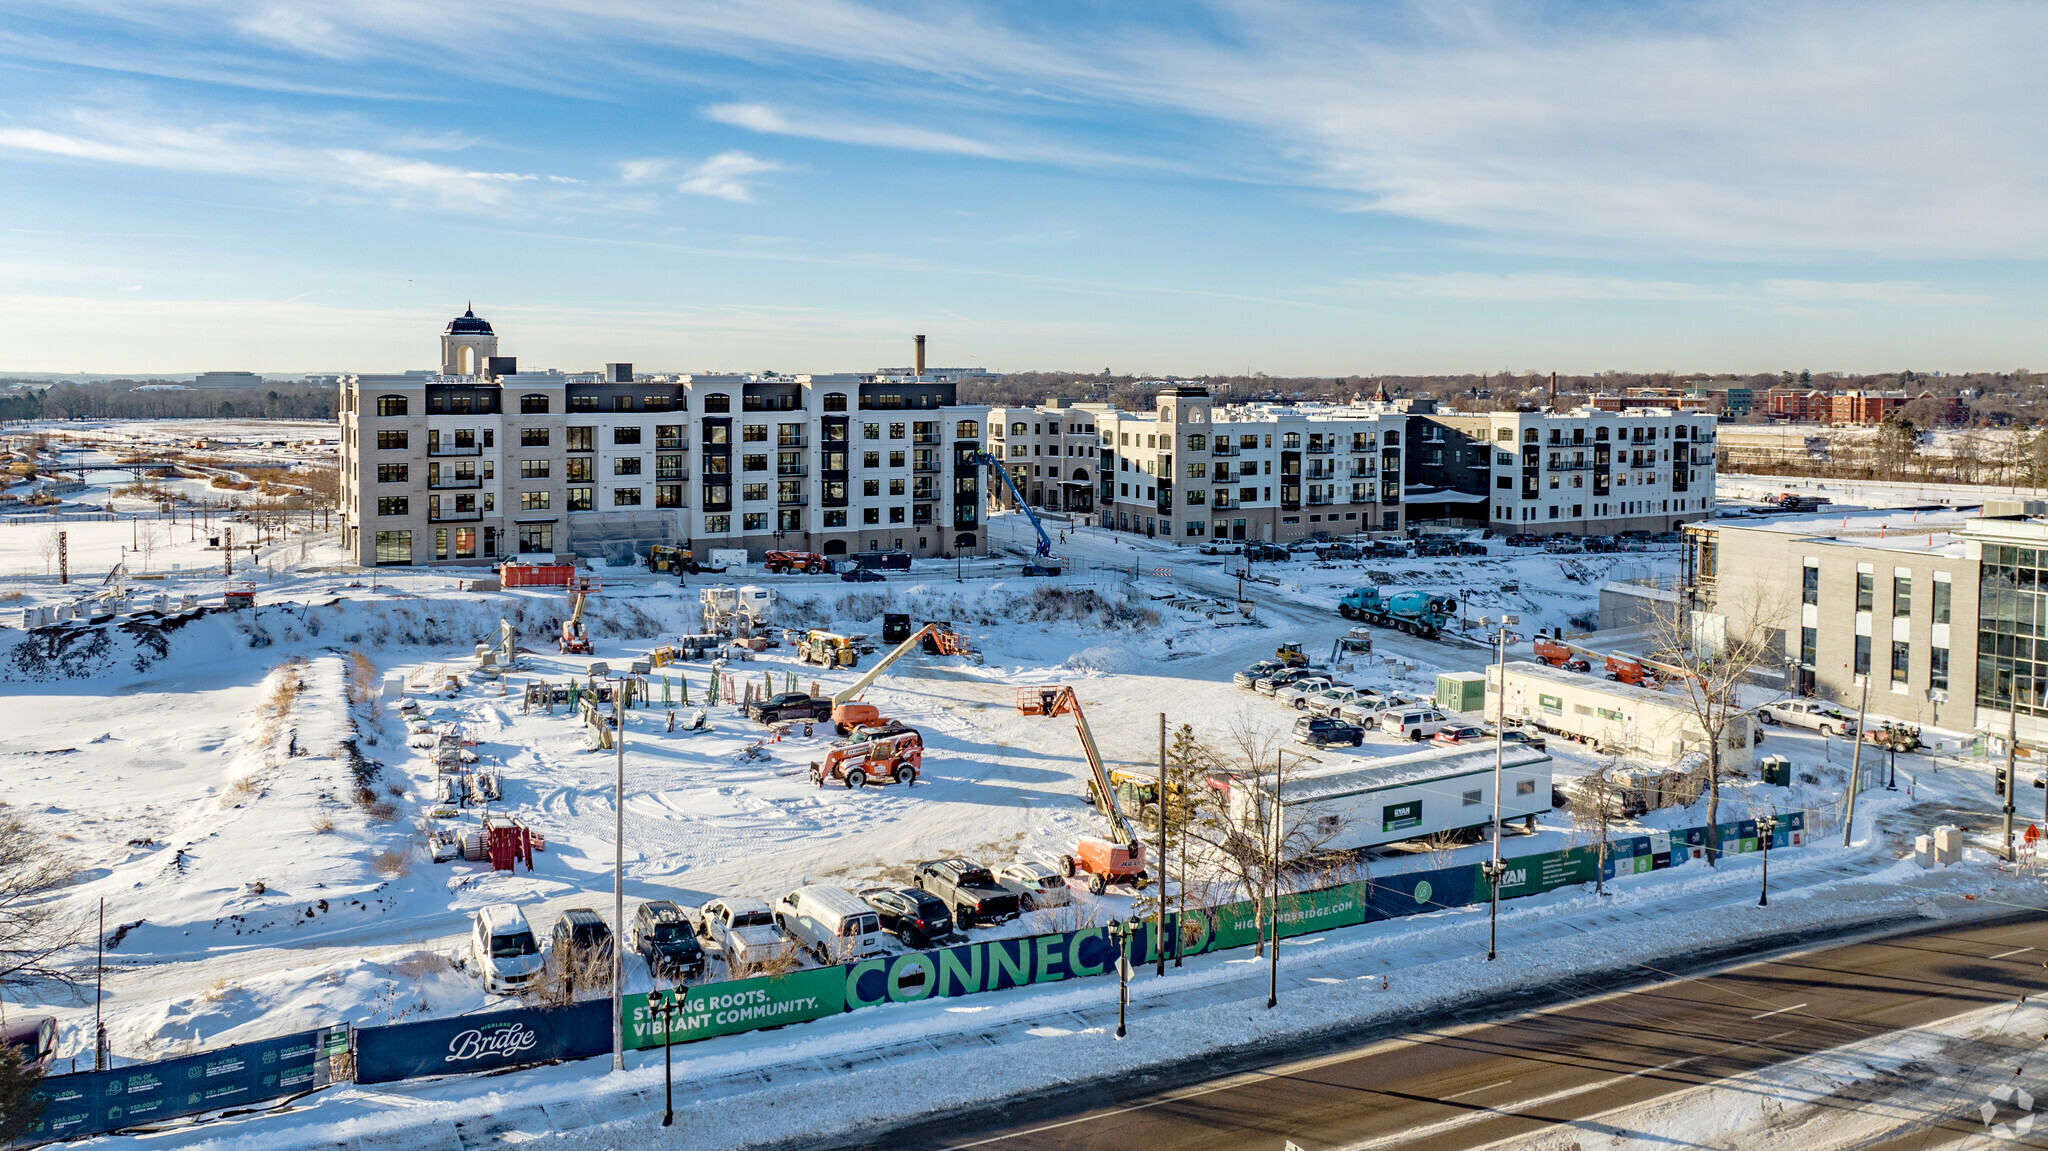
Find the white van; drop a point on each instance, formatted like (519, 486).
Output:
(830, 922)
(1416, 723)
(502, 946)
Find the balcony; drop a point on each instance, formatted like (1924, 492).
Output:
(925, 463)
(790, 498)
(1221, 501)
(676, 444)
(928, 438)
(1219, 448)
(791, 442)
(1641, 464)
(445, 516)
(448, 483)
(1365, 473)
(1316, 449)
(671, 473)
(924, 493)
(788, 470)
(1317, 501)
(454, 450)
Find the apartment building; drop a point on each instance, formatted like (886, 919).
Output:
(1189, 470)
(1585, 471)
(479, 460)
(1051, 453)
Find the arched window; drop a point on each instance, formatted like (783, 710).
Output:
(1392, 438)
(968, 429)
(1081, 474)
(1018, 428)
(1529, 436)
(1599, 433)
(390, 405)
(533, 404)
(835, 401)
(718, 402)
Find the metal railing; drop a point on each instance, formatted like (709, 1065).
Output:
(445, 516)
(453, 450)
(454, 482)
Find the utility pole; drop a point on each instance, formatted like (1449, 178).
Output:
(1273, 904)
(1500, 744)
(2012, 749)
(99, 982)
(618, 873)
(1159, 915)
(1856, 764)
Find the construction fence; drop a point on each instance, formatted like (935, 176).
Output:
(91, 1103)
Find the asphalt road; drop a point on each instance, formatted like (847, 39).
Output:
(1467, 1086)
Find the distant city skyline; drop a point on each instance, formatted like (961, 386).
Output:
(1289, 187)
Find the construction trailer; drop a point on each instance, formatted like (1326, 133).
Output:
(1352, 806)
(1658, 728)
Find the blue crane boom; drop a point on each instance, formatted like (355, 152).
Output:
(996, 465)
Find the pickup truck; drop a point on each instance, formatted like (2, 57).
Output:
(744, 930)
(1821, 717)
(969, 889)
(789, 705)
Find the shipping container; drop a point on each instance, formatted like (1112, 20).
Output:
(1461, 690)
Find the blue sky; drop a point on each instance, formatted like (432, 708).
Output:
(1280, 186)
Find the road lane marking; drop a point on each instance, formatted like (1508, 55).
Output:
(1489, 1114)
(1477, 1090)
(1779, 1011)
(2014, 951)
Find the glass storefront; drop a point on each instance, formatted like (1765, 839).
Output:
(2012, 628)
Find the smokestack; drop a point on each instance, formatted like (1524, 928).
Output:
(919, 370)
(1553, 389)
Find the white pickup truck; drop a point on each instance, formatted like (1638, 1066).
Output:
(744, 931)
(1824, 718)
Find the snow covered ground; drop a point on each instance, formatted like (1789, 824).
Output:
(243, 794)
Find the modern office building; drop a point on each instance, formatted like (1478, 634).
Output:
(480, 460)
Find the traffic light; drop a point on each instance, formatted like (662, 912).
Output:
(1999, 785)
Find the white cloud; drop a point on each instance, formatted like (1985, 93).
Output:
(727, 176)
(841, 130)
(643, 171)
(1785, 296)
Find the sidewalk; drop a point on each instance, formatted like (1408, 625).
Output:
(916, 1061)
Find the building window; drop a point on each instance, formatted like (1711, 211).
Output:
(626, 435)
(580, 470)
(534, 501)
(1941, 608)
(789, 520)
(393, 506)
(1866, 590)
(1902, 658)
(533, 469)
(835, 401)
(391, 406)
(754, 433)
(871, 431)
(579, 439)
(967, 430)
(755, 521)
(753, 491)
(657, 403)
(896, 486)
(625, 497)
(391, 440)
(1937, 667)
(536, 538)
(582, 403)
(871, 487)
(1809, 585)
(717, 402)
(754, 463)
(533, 404)
(579, 499)
(895, 515)
(668, 495)
(533, 437)
(836, 518)
(626, 466)
(393, 473)
(1862, 655)
(871, 515)
(1902, 595)
(394, 547)
(717, 525)
(1809, 646)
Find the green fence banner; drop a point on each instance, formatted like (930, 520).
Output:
(741, 1005)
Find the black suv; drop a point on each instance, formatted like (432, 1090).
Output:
(789, 705)
(663, 937)
(580, 950)
(918, 918)
(1266, 553)
(1322, 731)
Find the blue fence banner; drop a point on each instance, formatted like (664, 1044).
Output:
(483, 1042)
(95, 1102)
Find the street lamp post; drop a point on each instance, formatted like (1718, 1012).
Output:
(1120, 931)
(1764, 828)
(666, 1008)
(618, 870)
(1500, 728)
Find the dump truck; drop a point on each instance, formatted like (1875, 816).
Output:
(1415, 612)
(1656, 728)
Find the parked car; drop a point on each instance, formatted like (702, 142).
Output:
(1525, 540)
(1322, 731)
(831, 923)
(1329, 700)
(580, 947)
(788, 706)
(1036, 885)
(744, 930)
(1563, 545)
(1295, 695)
(1416, 723)
(1340, 551)
(1038, 569)
(862, 575)
(1637, 534)
(1602, 544)
(1668, 538)
(1821, 717)
(662, 936)
(35, 1037)
(1365, 711)
(1269, 685)
(920, 919)
(969, 889)
(1250, 676)
(1435, 547)
(1472, 548)
(1461, 733)
(1222, 548)
(502, 946)
(1266, 553)
(1516, 735)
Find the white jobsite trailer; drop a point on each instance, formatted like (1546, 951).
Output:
(1656, 727)
(1368, 803)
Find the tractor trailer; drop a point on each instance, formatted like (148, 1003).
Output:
(1347, 807)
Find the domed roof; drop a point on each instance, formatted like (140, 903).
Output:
(467, 324)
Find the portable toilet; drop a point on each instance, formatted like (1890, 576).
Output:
(1461, 690)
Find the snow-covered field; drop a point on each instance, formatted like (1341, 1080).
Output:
(241, 792)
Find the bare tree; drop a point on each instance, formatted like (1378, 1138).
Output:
(1598, 800)
(46, 545)
(148, 539)
(35, 929)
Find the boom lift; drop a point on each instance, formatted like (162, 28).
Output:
(1121, 858)
(996, 465)
(938, 638)
(575, 637)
